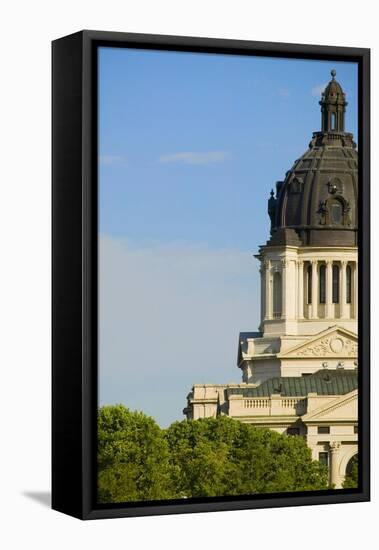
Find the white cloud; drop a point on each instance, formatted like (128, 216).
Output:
(169, 317)
(112, 160)
(194, 158)
(317, 90)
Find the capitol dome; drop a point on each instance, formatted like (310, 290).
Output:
(316, 204)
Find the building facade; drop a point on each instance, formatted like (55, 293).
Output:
(299, 371)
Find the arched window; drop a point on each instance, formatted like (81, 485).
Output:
(309, 284)
(336, 284)
(277, 296)
(322, 284)
(333, 122)
(348, 284)
(335, 212)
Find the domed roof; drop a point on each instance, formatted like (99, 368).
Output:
(316, 204)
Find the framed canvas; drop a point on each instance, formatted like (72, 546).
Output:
(210, 275)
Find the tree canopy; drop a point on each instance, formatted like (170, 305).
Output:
(222, 456)
(137, 460)
(132, 457)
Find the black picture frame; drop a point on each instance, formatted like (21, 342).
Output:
(74, 272)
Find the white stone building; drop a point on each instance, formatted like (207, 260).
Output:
(299, 372)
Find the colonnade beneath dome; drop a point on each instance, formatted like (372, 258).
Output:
(309, 289)
(330, 289)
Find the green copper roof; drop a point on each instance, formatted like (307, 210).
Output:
(323, 382)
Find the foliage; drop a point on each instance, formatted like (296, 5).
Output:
(132, 457)
(351, 478)
(222, 456)
(137, 460)
(200, 456)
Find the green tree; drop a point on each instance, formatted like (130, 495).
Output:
(133, 461)
(222, 456)
(199, 455)
(351, 478)
(272, 462)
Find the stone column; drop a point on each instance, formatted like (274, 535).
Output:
(329, 289)
(300, 289)
(268, 300)
(334, 479)
(284, 289)
(263, 291)
(343, 290)
(247, 371)
(355, 289)
(314, 290)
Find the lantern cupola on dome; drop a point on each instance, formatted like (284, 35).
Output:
(333, 107)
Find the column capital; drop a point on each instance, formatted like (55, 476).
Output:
(300, 263)
(285, 263)
(343, 263)
(329, 262)
(334, 446)
(314, 262)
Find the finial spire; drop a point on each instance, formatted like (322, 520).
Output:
(333, 106)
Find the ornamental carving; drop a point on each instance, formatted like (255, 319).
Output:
(296, 185)
(331, 346)
(335, 446)
(335, 185)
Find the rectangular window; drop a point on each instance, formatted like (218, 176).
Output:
(322, 284)
(348, 284)
(336, 213)
(293, 431)
(336, 284)
(355, 429)
(323, 429)
(323, 458)
(309, 284)
(277, 296)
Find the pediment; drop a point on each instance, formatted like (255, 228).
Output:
(334, 342)
(342, 408)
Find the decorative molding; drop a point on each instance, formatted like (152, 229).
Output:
(296, 185)
(335, 446)
(335, 186)
(319, 414)
(331, 347)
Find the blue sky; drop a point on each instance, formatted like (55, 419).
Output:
(190, 146)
